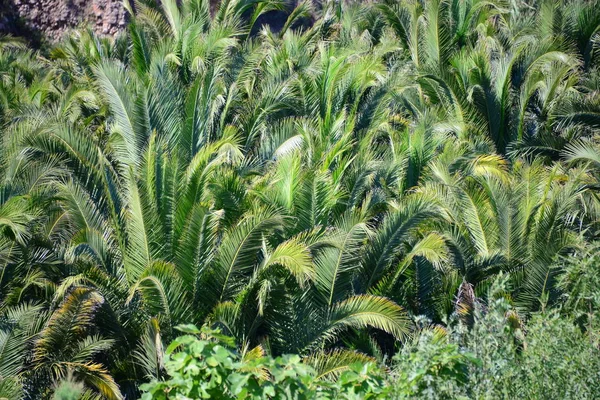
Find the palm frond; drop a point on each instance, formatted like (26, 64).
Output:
(330, 365)
(364, 311)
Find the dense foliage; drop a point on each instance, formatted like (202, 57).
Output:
(347, 189)
(490, 361)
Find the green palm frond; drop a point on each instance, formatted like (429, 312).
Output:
(392, 235)
(149, 353)
(364, 311)
(173, 16)
(582, 152)
(132, 130)
(329, 365)
(15, 215)
(17, 332)
(66, 325)
(54, 350)
(294, 256)
(95, 376)
(336, 267)
(140, 252)
(237, 255)
(163, 293)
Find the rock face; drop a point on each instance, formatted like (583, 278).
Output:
(52, 18)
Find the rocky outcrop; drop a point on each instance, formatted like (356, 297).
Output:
(51, 18)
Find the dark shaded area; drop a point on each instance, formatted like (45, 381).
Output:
(276, 19)
(11, 23)
(37, 20)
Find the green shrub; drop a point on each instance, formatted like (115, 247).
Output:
(549, 357)
(202, 364)
(559, 361)
(433, 367)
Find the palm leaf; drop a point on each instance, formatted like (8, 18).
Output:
(364, 311)
(331, 364)
(237, 255)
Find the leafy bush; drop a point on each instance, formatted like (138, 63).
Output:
(433, 367)
(498, 357)
(202, 364)
(559, 361)
(547, 357)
